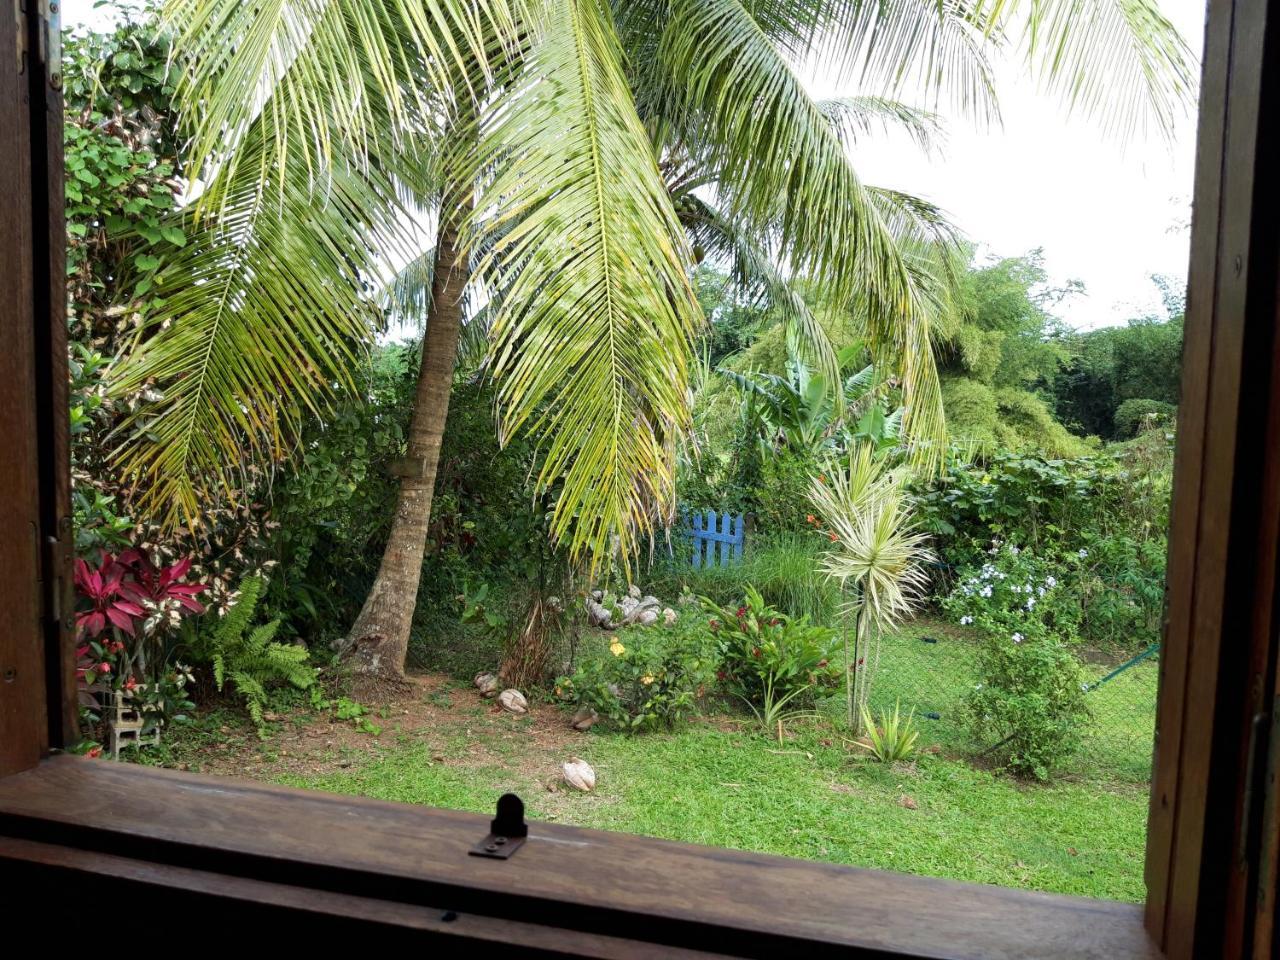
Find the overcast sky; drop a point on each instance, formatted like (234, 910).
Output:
(1105, 213)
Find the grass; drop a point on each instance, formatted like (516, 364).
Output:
(720, 782)
(929, 666)
(783, 568)
(811, 799)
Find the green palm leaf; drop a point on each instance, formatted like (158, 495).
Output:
(341, 70)
(592, 332)
(265, 311)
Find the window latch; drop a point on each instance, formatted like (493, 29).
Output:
(507, 831)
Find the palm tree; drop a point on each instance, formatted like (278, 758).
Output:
(322, 129)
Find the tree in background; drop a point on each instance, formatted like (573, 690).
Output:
(1005, 342)
(318, 131)
(1136, 368)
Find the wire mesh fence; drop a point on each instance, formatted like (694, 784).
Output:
(932, 668)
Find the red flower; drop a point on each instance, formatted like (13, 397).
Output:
(131, 684)
(93, 752)
(808, 518)
(755, 652)
(715, 624)
(832, 537)
(720, 674)
(103, 668)
(773, 622)
(742, 612)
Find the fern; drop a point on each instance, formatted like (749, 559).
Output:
(251, 659)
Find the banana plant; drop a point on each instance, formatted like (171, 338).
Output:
(802, 412)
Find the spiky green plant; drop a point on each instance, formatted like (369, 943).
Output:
(894, 738)
(877, 555)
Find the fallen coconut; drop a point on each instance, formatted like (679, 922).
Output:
(487, 684)
(513, 701)
(579, 775)
(585, 718)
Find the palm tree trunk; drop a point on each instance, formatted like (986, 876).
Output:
(379, 639)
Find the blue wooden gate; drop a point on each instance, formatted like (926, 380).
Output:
(723, 535)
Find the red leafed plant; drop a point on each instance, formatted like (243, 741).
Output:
(161, 584)
(112, 601)
(125, 595)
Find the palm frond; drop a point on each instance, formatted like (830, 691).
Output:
(756, 275)
(857, 118)
(265, 312)
(1120, 61)
(345, 70)
(936, 47)
(593, 325)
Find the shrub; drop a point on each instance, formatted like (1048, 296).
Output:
(1015, 586)
(1134, 416)
(1029, 702)
(248, 656)
(649, 677)
(768, 658)
(782, 498)
(1097, 524)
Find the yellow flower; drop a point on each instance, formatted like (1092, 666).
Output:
(617, 649)
(646, 680)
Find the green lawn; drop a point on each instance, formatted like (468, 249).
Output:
(720, 782)
(735, 789)
(930, 666)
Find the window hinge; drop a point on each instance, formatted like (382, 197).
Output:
(20, 34)
(51, 41)
(57, 561)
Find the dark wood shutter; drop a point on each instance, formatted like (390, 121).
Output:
(35, 663)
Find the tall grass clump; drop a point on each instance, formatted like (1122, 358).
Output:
(784, 568)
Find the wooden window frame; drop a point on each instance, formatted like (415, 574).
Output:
(311, 862)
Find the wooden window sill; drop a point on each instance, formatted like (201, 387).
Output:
(585, 892)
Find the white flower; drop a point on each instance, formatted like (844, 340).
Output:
(1017, 638)
(1015, 588)
(1014, 550)
(1050, 581)
(965, 621)
(986, 591)
(1000, 575)
(1031, 602)
(1083, 553)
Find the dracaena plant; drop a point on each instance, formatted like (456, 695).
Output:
(126, 596)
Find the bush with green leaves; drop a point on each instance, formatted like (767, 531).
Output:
(768, 658)
(1098, 525)
(649, 677)
(249, 656)
(1015, 585)
(1028, 708)
(1134, 416)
